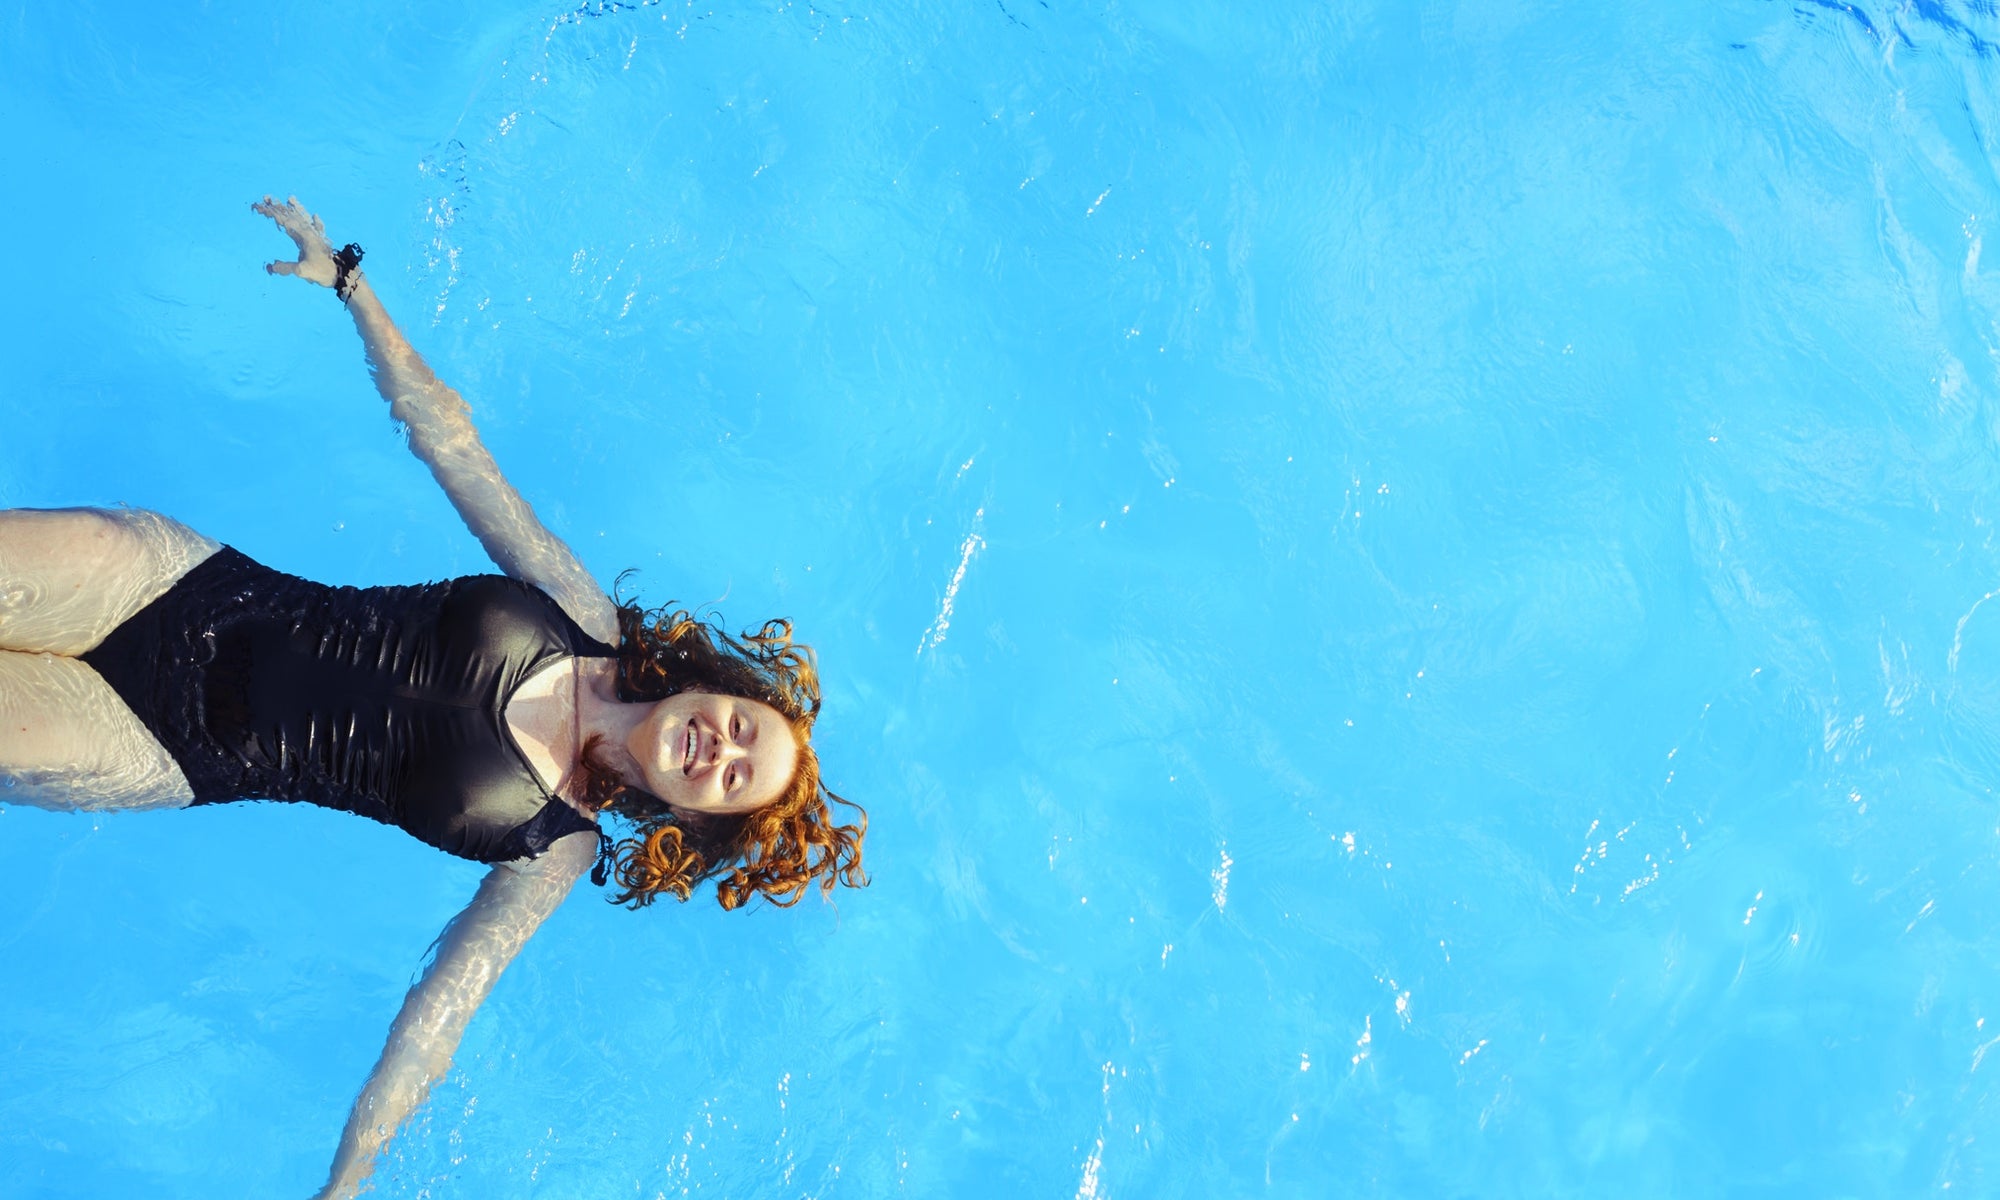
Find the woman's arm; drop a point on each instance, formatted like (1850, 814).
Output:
(442, 435)
(477, 945)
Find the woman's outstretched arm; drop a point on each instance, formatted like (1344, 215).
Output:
(442, 435)
(477, 945)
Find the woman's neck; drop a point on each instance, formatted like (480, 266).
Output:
(601, 715)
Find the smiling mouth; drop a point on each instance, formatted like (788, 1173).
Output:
(687, 752)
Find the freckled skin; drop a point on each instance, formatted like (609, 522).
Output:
(702, 752)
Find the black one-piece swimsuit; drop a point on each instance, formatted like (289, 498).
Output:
(389, 702)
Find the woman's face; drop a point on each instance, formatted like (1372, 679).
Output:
(707, 753)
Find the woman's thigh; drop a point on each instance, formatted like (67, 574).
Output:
(67, 741)
(69, 576)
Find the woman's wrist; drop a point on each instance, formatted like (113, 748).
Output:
(347, 270)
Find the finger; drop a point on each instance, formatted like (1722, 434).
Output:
(278, 218)
(281, 267)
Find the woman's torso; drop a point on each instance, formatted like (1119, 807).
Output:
(387, 702)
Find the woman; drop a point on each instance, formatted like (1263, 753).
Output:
(143, 665)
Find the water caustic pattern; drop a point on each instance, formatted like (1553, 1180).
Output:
(1408, 586)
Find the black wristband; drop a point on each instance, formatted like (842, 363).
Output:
(346, 265)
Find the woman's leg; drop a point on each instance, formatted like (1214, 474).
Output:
(68, 577)
(68, 742)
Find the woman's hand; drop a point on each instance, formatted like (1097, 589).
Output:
(315, 262)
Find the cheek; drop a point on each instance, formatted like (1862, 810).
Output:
(666, 785)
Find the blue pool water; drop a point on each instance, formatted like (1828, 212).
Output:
(1407, 585)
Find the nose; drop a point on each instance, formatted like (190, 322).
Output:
(721, 749)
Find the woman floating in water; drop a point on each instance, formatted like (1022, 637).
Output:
(497, 718)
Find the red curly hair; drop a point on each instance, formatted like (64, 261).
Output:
(777, 851)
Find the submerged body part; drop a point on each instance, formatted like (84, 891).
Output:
(388, 702)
